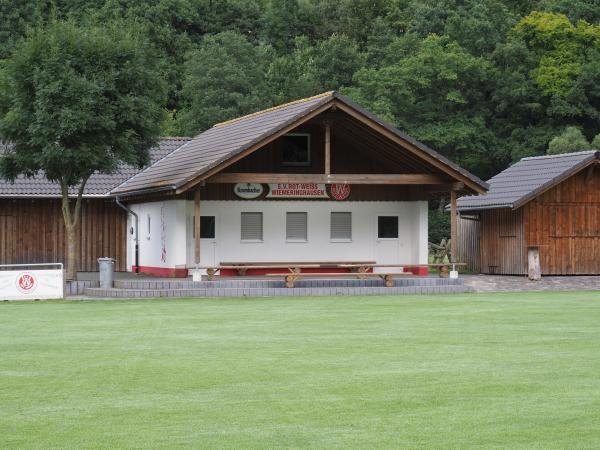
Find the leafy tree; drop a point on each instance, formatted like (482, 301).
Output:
(292, 76)
(336, 60)
(570, 140)
(477, 25)
(309, 70)
(77, 101)
(14, 18)
(562, 48)
(596, 142)
(281, 24)
(224, 78)
(575, 10)
(438, 95)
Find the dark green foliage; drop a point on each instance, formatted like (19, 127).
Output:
(439, 224)
(224, 78)
(436, 93)
(75, 100)
(79, 100)
(485, 82)
(569, 141)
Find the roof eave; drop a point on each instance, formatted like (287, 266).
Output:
(592, 159)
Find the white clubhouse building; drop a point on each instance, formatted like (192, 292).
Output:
(315, 180)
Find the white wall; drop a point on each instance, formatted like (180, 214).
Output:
(167, 232)
(410, 248)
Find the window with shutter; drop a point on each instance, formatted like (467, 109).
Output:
(341, 226)
(295, 226)
(252, 226)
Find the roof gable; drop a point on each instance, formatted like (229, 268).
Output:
(227, 142)
(528, 178)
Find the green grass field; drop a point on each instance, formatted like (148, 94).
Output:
(487, 371)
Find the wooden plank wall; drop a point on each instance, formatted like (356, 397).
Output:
(564, 222)
(33, 231)
(502, 242)
(468, 250)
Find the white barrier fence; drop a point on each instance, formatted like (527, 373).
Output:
(31, 281)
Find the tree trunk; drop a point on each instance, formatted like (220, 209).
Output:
(71, 218)
(71, 269)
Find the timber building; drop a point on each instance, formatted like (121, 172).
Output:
(317, 179)
(551, 203)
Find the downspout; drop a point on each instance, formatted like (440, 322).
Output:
(137, 226)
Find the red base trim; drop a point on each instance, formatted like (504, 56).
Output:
(419, 270)
(166, 272)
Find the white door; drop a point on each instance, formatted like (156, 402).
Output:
(387, 242)
(208, 241)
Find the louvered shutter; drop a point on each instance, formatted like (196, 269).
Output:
(341, 226)
(295, 229)
(252, 226)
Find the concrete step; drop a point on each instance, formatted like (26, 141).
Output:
(275, 292)
(243, 283)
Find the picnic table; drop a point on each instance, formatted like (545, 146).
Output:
(365, 268)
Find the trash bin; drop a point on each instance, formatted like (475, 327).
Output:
(107, 272)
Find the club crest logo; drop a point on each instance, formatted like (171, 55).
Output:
(26, 283)
(340, 191)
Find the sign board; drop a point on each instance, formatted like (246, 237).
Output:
(248, 191)
(297, 190)
(31, 284)
(340, 191)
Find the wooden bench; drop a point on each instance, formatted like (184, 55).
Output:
(388, 278)
(356, 267)
(294, 266)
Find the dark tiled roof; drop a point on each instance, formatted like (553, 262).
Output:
(218, 144)
(226, 140)
(97, 185)
(527, 179)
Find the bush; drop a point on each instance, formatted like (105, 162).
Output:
(439, 224)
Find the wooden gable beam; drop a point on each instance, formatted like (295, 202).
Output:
(423, 178)
(409, 146)
(383, 151)
(327, 148)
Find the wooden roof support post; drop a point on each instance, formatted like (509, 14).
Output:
(327, 148)
(453, 226)
(197, 226)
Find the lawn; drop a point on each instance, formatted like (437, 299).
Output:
(487, 371)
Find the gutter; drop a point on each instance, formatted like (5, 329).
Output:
(137, 226)
(138, 192)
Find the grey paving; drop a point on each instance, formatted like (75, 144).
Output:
(274, 288)
(504, 283)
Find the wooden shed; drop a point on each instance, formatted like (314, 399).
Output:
(32, 227)
(549, 202)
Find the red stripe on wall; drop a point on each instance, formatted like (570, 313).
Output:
(418, 270)
(166, 272)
